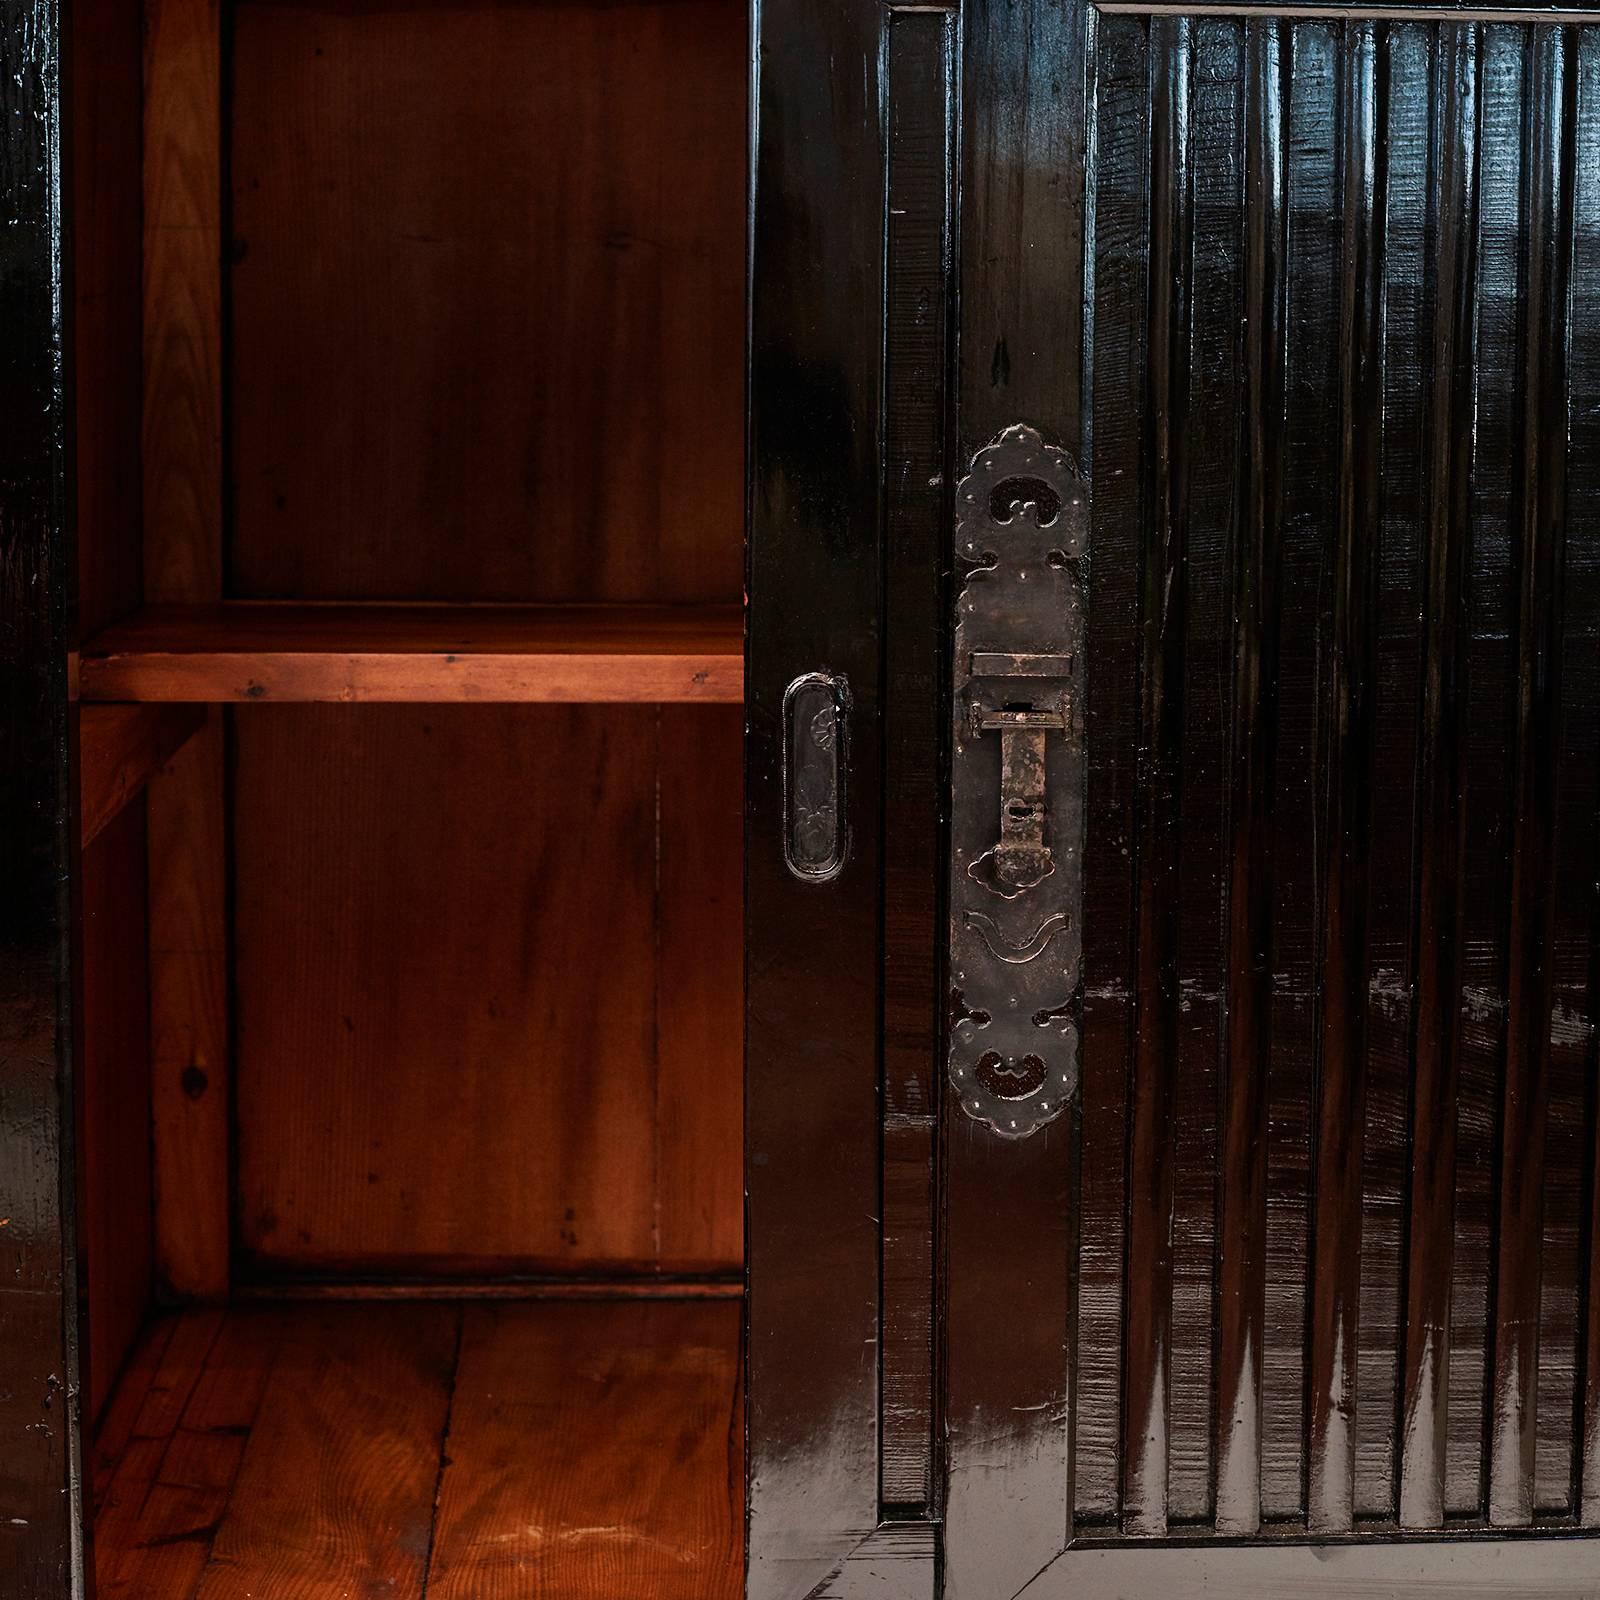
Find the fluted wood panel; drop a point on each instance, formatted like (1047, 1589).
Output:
(1338, 1208)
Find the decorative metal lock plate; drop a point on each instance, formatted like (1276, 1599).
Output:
(1017, 777)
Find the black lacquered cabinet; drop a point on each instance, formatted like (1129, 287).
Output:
(1172, 1130)
(799, 800)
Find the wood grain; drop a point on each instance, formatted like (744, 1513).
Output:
(487, 301)
(182, 442)
(318, 1452)
(189, 1047)
(183, 300)
(115, 1119)
(163, 1550)
(120, 748)
(251, 652)
(700, 951)
(593, 1450)
(139, 1428)
(446, 1006)
(336, 1491)
(113, 1431)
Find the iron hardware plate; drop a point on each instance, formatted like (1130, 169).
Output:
(1017, 780)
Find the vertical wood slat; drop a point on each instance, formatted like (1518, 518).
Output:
(1575, 870)
(1540, 506)
(1242, 1234)
(1212, 411)
(1437, 972)
(1487, 692)
(1336, 1257)
(1397, 668)
(1148, 1374)
(1583, 591)
(917, 195)
(1312, 423)
(184, 561)
(1121, 176)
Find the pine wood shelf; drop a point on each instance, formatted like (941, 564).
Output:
(246, 651)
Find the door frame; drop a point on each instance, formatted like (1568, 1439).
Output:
(43, 1548)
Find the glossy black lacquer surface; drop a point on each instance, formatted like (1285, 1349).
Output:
(1345, 295)
(41, 1537)
(1314, 297)
(812, 975)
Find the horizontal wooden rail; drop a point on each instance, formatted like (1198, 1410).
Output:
(120, 749)
(279, 651)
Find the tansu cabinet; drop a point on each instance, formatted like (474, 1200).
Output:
(1157, 1030)
(1172, 801)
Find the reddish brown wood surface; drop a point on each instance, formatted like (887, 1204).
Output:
(593, 1452)
(183, 562)
(486, 277)
(449, 1005)
(182, 462)
(699, 1139)
(189, 1043)
(314, 1452)
(486, 333)
(252, 652)
(120, 748)
(335, 1490)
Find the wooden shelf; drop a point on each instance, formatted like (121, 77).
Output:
(120, 749)
(247, 651)
(313, 1452)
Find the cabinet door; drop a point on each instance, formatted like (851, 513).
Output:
(1299, 1292)
(1261, 544)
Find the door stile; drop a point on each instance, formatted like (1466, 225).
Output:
(813, 801)
(1008, 1202)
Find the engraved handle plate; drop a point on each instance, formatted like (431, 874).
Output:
(1017, 779)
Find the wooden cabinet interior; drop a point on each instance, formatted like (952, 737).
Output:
(408, 369)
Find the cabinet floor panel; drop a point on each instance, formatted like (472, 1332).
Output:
(432, 1451)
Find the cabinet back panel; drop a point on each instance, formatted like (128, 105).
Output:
(487, 301)
(463, 1050)
(486, 344)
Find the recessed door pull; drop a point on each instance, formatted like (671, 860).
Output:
(816, 711)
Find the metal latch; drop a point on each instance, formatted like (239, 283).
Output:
(1016, 813)
(1022, 857)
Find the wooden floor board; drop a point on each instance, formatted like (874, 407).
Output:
(117, 1421)
(335, 1492)
(569, 1450)
(593, 1453)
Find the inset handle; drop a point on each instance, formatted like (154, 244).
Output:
(816, 731)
